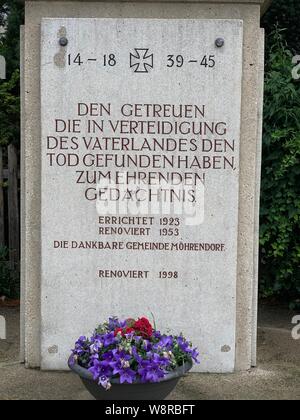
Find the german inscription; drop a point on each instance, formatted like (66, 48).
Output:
(140, 179)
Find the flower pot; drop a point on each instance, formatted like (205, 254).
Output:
(133, 392)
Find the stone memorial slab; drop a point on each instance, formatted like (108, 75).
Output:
(140, 179)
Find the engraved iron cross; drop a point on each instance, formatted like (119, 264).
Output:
(141, 61)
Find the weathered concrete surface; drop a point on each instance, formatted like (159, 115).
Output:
(276, 378)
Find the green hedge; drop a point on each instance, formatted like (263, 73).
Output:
(286, 15)
(11, 16)
(280, 205)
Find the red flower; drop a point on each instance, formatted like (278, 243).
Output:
(118, 330)
(144, 328)
(123, 332)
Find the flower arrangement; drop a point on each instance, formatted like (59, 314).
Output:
(131, 350)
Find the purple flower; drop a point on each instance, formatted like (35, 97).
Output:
(114, 323)
(96, 338)
(136, 355)
(127, 375)
(109, 339)
(72, 361)
(108, 358)
(105, 382)
(160, 361)
(81, 347)
(150, 371)
(96, 346)
(183, 344)
(120, 354)
(186, 348)
(157, 335)
(165, 342)
(93, 357)
(121, 362)
(99, 369)
(100, 341)
(121, 366)
(130, 336)
(147, 346)
(95, 369)
(195, 356)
